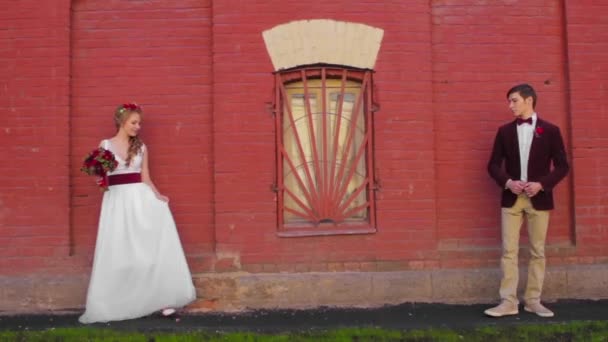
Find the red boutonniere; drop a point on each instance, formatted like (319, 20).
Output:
(538, 131)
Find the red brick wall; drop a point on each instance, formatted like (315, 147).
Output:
(34, 121)
(159, 55)
(247, 227)
(202, 73)
(480, 50)
(587, 42)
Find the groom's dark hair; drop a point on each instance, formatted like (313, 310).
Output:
(525, 90)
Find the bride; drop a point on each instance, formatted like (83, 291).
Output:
(139, 266)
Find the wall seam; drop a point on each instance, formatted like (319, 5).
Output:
(70, 192)
(568, 128)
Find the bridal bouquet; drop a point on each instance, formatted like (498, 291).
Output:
(98, 163)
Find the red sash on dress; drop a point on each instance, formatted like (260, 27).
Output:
(125, 178)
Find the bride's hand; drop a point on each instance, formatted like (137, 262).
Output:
(101, 181)
(163, 198)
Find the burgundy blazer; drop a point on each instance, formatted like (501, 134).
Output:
(547, 148)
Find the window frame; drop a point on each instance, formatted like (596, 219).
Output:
(365, 100)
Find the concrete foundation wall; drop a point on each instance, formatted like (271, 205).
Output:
(243, 291)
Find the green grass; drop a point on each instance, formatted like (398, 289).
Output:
(596, 331)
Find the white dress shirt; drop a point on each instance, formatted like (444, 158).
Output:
(525, 134)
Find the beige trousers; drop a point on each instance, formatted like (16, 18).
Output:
(538, 222)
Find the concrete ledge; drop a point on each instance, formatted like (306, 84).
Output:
(42, 293)
(241, 291)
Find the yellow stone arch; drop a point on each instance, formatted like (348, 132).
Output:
(323, 41)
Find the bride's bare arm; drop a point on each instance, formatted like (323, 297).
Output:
(145, 177)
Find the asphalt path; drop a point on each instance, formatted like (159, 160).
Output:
(398, 317)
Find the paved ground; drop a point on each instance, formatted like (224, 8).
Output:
(400, 317)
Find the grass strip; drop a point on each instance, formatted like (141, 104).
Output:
(588, 331)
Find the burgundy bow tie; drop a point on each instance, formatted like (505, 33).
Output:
(521, 121)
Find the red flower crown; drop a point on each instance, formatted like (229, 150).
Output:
(130, 106)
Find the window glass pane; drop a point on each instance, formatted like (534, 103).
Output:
(324, 169)
(302, 134)
(357, 129)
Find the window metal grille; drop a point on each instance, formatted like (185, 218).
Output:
(324, 137)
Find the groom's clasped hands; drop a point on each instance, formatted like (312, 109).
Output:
(529, 188)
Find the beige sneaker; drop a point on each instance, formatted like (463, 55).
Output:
(538, 309)
(505, 308)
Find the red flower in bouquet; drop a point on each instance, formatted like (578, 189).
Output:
(98, 163)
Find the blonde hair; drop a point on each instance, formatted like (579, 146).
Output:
(121, 114)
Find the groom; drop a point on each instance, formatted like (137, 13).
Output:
(528, 146)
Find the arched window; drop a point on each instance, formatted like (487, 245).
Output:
(324, 135)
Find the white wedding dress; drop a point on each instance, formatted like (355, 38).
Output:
(139, 266)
